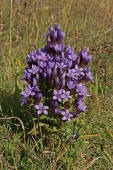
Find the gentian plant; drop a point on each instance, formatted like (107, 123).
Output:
(56, 78)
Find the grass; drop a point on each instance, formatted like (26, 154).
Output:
(87, 23)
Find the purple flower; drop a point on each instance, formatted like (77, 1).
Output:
(71, 73)
(28, 91)
(38, 96)
(66, 115)
(23, 100)
(34, 56)
(62, 65)
(66, 95)
(69, 64)
(49, 72)
(81, 106)
(78, 71)
(71, 84)
(57, 81)
(63, 82)
(81, 90)
(34, 69)
(41, 109)
(69, 52)
(42, 64)
(57, 58)
(56, 71)
(55, 35)
(54, 103)
(35, 89)
(43, 56)
(34, 82)
(85, 58)
(44, 74)
(37, 76)
(58, 47)
(58, 110)
(27, 75)
(63, 76)
(58, 95)
(88, 74)
(51, 65)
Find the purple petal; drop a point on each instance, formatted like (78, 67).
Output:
(23, 93)
(37, 107)
(60, 91)
(64, 118)
(41, 104)
(63, 113)
(59, 99)
(70, 115)
(32, 93)
(55, 92)
(67, 111)
(69, 119)
(66, 99)
(45, 112)
(39, 112)
(54, 97)
(70, 97)
(46, 107)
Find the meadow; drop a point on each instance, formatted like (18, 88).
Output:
(23, 145)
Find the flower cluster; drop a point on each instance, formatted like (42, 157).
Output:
(58, 71)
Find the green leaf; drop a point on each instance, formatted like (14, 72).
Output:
(43, 124)
(43, 117)
(17, 136)
(55, 129)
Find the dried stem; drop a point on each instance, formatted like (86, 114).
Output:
(10, 35)
(37, 25)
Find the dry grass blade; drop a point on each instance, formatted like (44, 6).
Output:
(8, 118)
(91, 163)
(73, 137)
(37, 25)
(66, 14)
(60, 154)
(37, 158)
(10, 39)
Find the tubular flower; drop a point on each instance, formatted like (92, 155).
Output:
(56, 75)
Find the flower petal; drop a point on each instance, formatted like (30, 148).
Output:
(59, 99)
(39, 112)
(46, 107)
(45, 112)
(54, 97)
(63, 113)
(37, 107)
(41, 104)
(64, 118)
(55, 92)
(69, 119)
